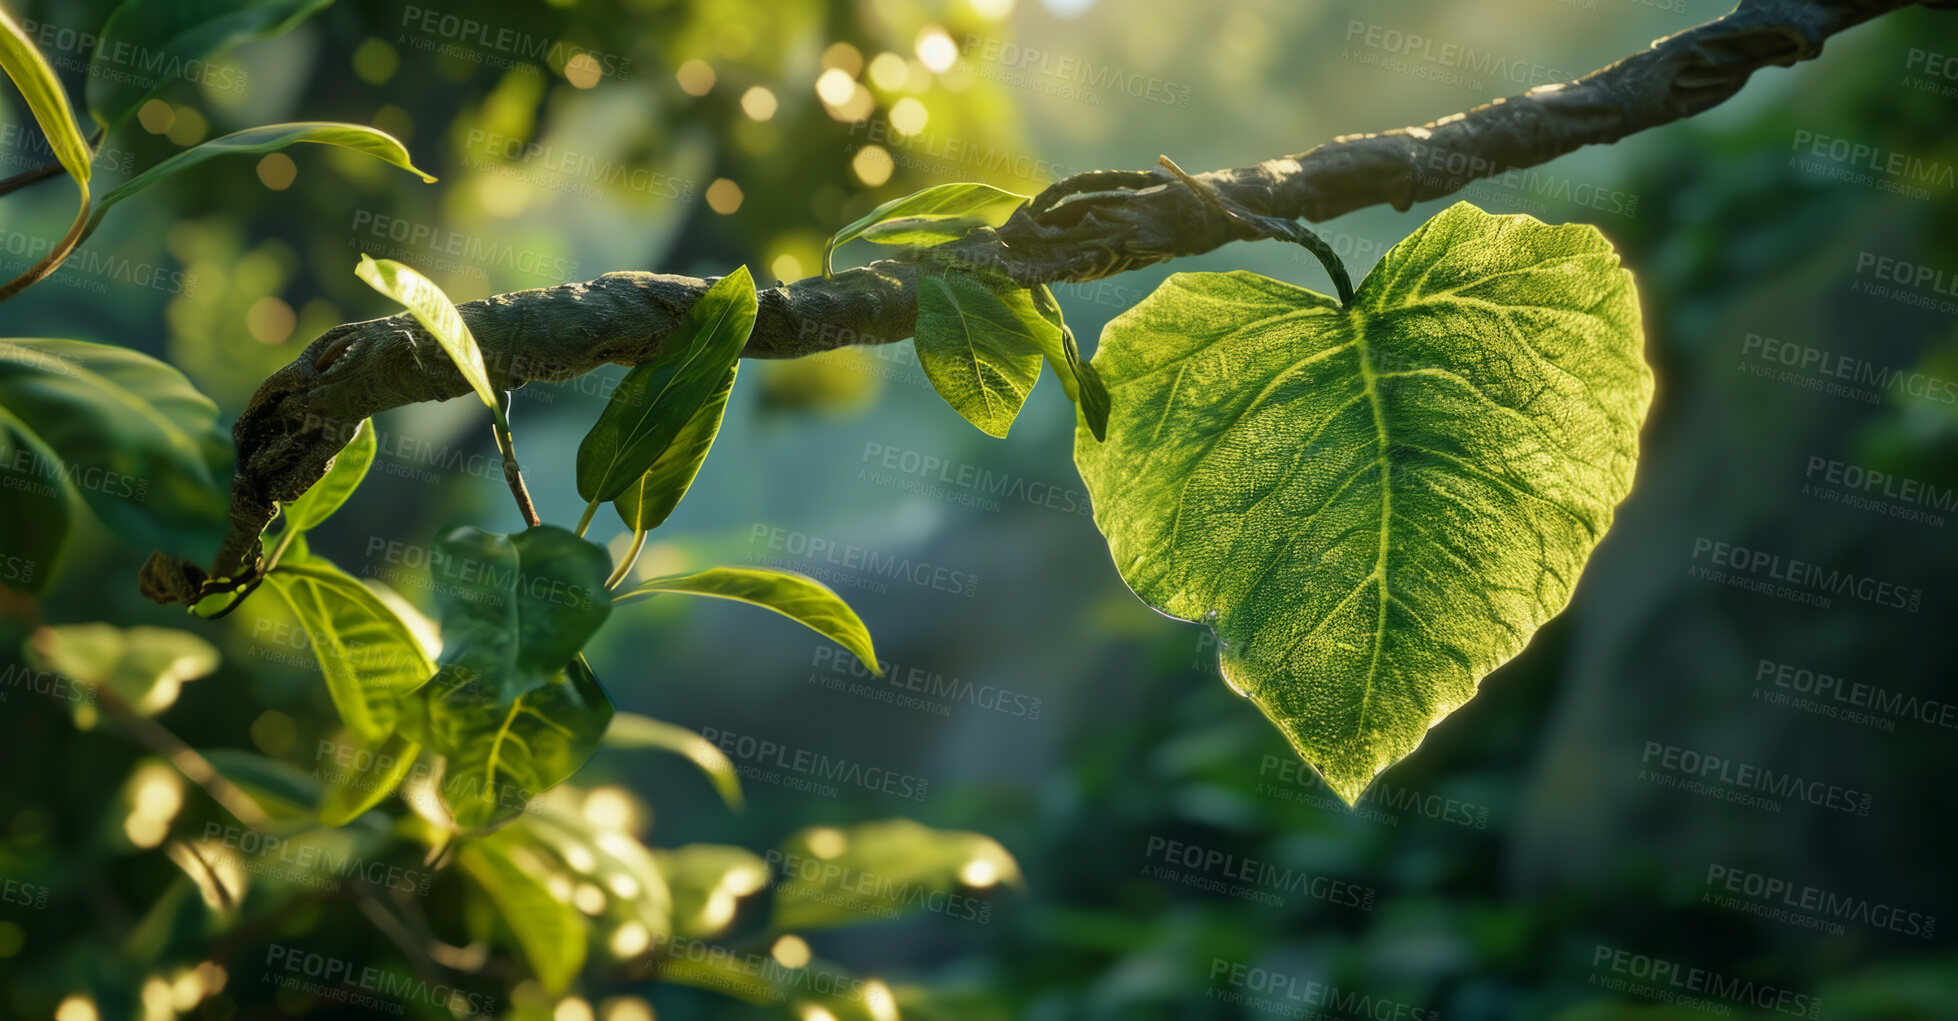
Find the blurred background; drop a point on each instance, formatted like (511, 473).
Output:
(1560, 848)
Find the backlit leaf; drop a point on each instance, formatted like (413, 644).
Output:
(828, 877)
(438, 316)
(798, 597)
(349, 467)
(550, 933)
(367, 655)
(1373, 507)
(938, 214)
(633, 731)
(980, 347)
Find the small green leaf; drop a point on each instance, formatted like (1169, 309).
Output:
(644, 506)
(1375, 506)
(633, 731)
(45, 100)
(363, 776)
(636, 894)
(341, 479)
(659, 398)
(366, 653)
(938, 214)
(878, 871)
(145, 44)
(707, 882)
(267, 138)
(439, 317)
(283, 790)
(980, 347)
(550, 933)
(145, 667)
(798, 597)
(516, 608)
(500, 755)
(129, 434)
(1082, 383)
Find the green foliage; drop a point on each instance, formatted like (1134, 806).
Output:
(516, 608)
(348, 470)
(143, 667)
(377, 770)
(438, 315)
(708, 881)
(658, 399)
(46, 100)
(980, 345)
(1374, 507)
(1079, 379)
(268, 138)
(549, 932)
(877, 871)
(499, 755)
(172, 33)
(633, 731)
(284, 791)
(126, 434)
(645, 505)
(366, 653)
(798, 597)
(935, 215)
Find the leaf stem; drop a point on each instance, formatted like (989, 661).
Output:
(57, 255)
(631, 557)
(278, 551)
(506, 444)
(1270, 227)
(584, 522)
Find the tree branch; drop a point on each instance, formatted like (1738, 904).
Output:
(1088, 226)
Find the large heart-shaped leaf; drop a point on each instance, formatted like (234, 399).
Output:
(366, 653)
(148, 44)
(1373, 507)
(796, 596)
(980, 346)
(127, 433)
(516, 608)
(501, 754)
(657, 399)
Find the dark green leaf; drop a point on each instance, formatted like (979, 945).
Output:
(367, 655)
(657, 399)
(341, 479)
(980, 347)
(938, 214)
(644, 506)
(500, 754)
(633, 731)
(1374, 507)
(38, 509)
(877, 871)
(146, 43)
(516, 608)
(129, 433)
(798, 597)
